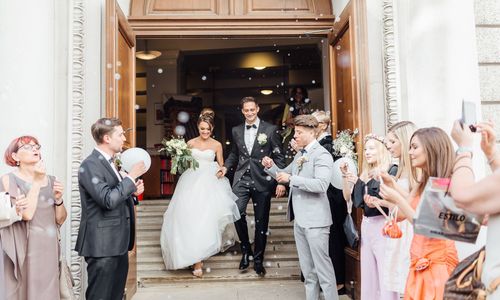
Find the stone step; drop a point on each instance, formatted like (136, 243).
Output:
(159, 214)
(272, 240)
(156, 233)
(273, 219)
(219, 275)
(160, 202)
(229, 263)
(226, 256)
(157, 226)
(271, 249)
(275, 205)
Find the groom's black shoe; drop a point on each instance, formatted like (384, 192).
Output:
(259, 268)
(245, 261)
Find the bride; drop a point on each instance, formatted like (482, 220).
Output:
(202, 206)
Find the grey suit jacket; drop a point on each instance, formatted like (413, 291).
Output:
(307, 202)
(107, 226)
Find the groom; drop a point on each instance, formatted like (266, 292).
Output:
(309, 176)
(252, 141)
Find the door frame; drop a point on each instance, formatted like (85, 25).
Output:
(117, 25)
(353, 20)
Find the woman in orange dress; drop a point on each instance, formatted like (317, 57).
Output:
(432, 260)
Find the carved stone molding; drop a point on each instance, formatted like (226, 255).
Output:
(392, 93)
(77, 65)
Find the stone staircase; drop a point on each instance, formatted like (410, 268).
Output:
(281, 260)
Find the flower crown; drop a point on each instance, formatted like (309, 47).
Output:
(372, 136)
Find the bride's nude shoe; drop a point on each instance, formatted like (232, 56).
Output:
(198, 272)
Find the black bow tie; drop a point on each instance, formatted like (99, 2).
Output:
(251, 126)
(303, 151)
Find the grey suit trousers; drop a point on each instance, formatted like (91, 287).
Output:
(315, 263)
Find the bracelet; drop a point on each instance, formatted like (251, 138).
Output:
(493, 158)
(59, 204)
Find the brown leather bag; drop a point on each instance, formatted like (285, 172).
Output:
(465, 281)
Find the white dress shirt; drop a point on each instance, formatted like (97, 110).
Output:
(107, 157)
(250, 135)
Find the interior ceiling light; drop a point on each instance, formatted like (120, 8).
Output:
(147, 54)
(266, 92)
(259, 68)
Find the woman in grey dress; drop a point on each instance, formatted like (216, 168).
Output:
(30, 247)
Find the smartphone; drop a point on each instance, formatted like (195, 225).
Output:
(469, 115)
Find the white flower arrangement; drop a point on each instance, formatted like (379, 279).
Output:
(343, 145)
(262, 139)
(178, 150)
(300, 162)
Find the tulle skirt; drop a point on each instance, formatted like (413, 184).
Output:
(199, 220)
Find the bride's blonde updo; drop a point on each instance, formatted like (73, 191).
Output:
(207, 115)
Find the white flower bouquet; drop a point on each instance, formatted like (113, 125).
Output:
(177, 149)
(343, 145)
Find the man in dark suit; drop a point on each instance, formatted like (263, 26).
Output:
(252, 141)
(107, 223)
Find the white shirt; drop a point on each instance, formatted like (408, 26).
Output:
(309, 146)
(250, 135)
(107, 157)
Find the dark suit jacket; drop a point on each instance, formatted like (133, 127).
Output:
(107, 225)
(240, 157)
(326, 142)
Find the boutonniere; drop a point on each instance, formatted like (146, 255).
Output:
(117, 162)
(301, 162)
(262, 139)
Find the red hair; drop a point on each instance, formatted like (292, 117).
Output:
(14, 147)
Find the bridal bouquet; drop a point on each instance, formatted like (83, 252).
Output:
(343, 145)
(177, 149)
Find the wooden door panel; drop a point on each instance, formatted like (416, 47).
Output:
(350, 104)
(184, 7)
(279, 5)
(120, 93)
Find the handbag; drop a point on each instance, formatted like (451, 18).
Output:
(5, 207)
(465, 281)
(350, 230)
(66, 282)
(438, 217)
(391, 228)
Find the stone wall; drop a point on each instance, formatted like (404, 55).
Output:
(487, 14)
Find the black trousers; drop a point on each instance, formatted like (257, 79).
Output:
(245, 190)
(107, 277)
(337, 240)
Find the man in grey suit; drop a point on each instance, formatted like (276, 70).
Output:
(107, 228)
(309, 176)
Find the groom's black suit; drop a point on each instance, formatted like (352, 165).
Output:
(107, 228)
(250, 181)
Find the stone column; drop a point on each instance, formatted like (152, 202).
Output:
(439, 67)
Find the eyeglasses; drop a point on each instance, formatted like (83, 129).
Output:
(30, 147)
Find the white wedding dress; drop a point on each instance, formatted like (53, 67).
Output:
(195, 225)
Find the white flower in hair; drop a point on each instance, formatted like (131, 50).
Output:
(262, 139)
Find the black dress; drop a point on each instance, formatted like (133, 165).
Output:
(338, 209)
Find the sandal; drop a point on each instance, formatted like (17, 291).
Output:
(198, 272)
